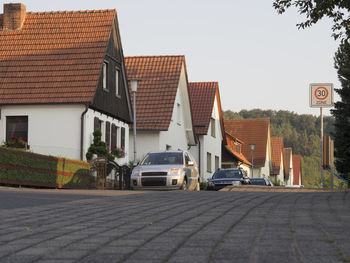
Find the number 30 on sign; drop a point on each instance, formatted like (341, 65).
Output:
(321, 95)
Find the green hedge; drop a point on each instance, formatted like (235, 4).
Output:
(25, 168)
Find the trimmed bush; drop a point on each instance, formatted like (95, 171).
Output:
(25, 168)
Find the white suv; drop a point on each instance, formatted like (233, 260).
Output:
(166, 170)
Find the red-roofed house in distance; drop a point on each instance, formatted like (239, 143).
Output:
(277, 156)
(232, 156)
(288, 166)
(257, 132)
(208, 126)
(297, 171)
(62, 76)
(163, 111)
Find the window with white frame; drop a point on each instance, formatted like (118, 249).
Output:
(105, 76)
(117, 89)
(212, 124)
(178, 111)
(209, 162)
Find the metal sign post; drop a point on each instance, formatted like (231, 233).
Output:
(321, 95)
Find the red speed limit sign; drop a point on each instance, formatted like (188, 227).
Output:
(321, 95)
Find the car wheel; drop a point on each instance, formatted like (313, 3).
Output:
(184, 185)
(198, 186)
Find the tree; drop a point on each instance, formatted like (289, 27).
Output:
(315, 10)
(98, 147)
(342, 111)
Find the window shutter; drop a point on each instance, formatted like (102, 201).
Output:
(108, 134)
(122, 135)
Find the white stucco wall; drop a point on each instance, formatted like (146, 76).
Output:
(145, 142)
(52, 129)
(89, 129)
(56, 129)
(280, 176)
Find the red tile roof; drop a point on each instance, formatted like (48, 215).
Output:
(297, 169)
(202, 95)
(156, 92)
(276, 154)
(55, 58)
(230, 147)
(254, 131)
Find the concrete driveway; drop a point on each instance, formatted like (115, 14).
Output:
(229, 226)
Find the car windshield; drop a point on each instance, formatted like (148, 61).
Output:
(258, 181)
(163, 158)
(227, 174)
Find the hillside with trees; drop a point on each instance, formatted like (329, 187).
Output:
(301, 132)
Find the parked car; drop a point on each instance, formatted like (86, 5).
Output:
(166, 170)
(224, 177)
(261, 181)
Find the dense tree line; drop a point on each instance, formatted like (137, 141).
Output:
(301, 132)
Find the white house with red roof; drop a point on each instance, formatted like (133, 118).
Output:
(163, 107)
(297, 170)
(288, 166)
(257, 132)
(277, 155)
(62, 76)
(208, 126)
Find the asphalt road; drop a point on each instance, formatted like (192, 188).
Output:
(113, 226)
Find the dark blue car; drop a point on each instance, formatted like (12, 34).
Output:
(226, 177)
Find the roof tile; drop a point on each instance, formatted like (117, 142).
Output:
(55, 58)
(202, 95)
(276, 154)
(251, 131)
(156, 92)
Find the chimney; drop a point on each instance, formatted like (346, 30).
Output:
(13, 17)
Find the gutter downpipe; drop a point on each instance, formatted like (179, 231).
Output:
(199, 156)
(82, 132)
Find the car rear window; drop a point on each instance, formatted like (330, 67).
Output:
(163, 158)
(227, 174)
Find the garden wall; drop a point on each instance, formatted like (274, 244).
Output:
(18, 167)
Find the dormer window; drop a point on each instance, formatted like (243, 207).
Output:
(117, 90)
(105, 77)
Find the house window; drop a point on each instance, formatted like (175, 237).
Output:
(117, 90)
(178, 111)
(209, 162)
(105, 76)
(217, 162)
(97, 124)
(122, 136)
(212, 124)
(108, 134)
(16, 126)
(113, 137)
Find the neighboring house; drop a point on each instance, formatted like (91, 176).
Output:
(232, 156)
(163, 108)
(62, 75)
(277, 156)
(288, 166)
(257, 132)
(297, 170)
(208, 126)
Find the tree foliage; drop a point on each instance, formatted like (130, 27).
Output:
(342, 111)
(301, 132)
(315, 10)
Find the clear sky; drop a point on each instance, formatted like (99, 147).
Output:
(260, 59)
